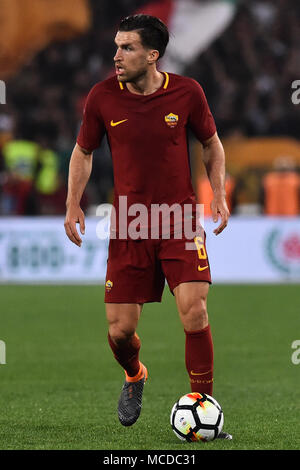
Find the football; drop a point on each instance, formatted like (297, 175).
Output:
(197, 417)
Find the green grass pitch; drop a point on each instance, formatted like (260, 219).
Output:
(60, 385)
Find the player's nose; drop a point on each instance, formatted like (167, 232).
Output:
(118, 55)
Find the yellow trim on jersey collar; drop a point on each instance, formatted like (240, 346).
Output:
(165, 85)
(167, 80)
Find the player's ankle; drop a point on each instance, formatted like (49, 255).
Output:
(141, 373)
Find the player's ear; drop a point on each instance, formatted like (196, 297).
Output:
(153, 56)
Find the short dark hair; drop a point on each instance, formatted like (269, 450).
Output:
(154, 33)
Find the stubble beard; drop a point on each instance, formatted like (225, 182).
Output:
(133, 77)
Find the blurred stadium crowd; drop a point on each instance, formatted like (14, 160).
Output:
(246, 74)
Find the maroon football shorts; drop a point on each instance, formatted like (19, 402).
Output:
(137, 269)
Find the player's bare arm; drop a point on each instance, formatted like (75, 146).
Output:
(214, 160)
(79, 173)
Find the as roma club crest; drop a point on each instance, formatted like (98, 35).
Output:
(171, 120)
(108, 285)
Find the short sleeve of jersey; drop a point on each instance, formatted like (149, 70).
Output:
(201, 120)
(92, 128)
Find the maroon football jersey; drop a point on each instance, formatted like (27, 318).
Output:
(147, 136)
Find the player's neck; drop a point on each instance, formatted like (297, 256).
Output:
(147, 84)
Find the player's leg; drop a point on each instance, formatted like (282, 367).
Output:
(191, 300)
(122, 337)
(125, 344)
(133, 277)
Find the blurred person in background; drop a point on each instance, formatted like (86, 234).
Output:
(19, 166)
(31, 182)
(282, 188)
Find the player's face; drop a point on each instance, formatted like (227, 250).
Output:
(131, 59)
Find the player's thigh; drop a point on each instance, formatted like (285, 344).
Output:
(184, 260)
(186, 268)
(191, 301)
(134, 274)
(122, 319)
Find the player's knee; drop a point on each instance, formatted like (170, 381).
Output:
(121, 333)
(195, 316)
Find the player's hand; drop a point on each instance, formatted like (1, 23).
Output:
(219, 209)
(74, 215)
